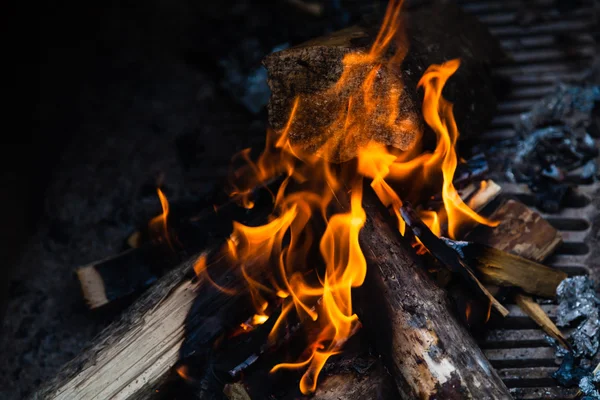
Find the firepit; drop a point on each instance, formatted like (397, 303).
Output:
(370, 241)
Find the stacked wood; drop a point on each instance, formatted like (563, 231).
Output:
(429, 353)
(523, 232)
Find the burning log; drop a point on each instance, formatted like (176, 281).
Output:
(428, 351)
(115, 279)
(320, 70)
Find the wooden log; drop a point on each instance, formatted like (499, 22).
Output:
(501, 268)
(428, 351)
(133, 356)
(434, 34)
(115, 280)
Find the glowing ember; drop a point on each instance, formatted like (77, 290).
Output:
(309, 206)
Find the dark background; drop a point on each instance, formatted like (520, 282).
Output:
(106, 100)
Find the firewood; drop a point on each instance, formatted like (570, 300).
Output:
(119, 278)
(521, 231)
(428, 351)
(505, 269)
(115, 278)
(484, 196)
(236, 391)
(536, 313)
(133, 356)
(447, 256)
(435, 34)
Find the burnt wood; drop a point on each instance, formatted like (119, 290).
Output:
(117, 280)
(435, 34)
(428, 351)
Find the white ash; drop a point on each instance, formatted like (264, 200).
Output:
(579, 302)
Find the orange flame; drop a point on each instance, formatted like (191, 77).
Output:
(314, 195)
(158, 224)
(438, 115)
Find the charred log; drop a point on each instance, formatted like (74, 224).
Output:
(434, 34)
(429, 352)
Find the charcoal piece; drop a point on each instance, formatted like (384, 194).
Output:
(569, 373)
(576, 298)
(550, 196)
(553, 145)
(521, 168)
(569, 105)
(475, 168)
(579, 302)
(586, 338)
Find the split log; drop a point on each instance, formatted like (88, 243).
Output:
(428, 351)
(434, 34)
(501, 268)
(537, 313)
(133, 356)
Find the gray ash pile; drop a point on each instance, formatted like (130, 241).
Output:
(554, 148)
(579, 308)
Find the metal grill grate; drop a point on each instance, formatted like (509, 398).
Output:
(551, 46)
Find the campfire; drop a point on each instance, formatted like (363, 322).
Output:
(363, 249)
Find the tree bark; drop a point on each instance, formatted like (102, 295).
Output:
(428, 351)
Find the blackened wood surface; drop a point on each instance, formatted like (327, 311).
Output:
(429, 353)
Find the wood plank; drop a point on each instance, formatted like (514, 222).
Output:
(521, 231)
